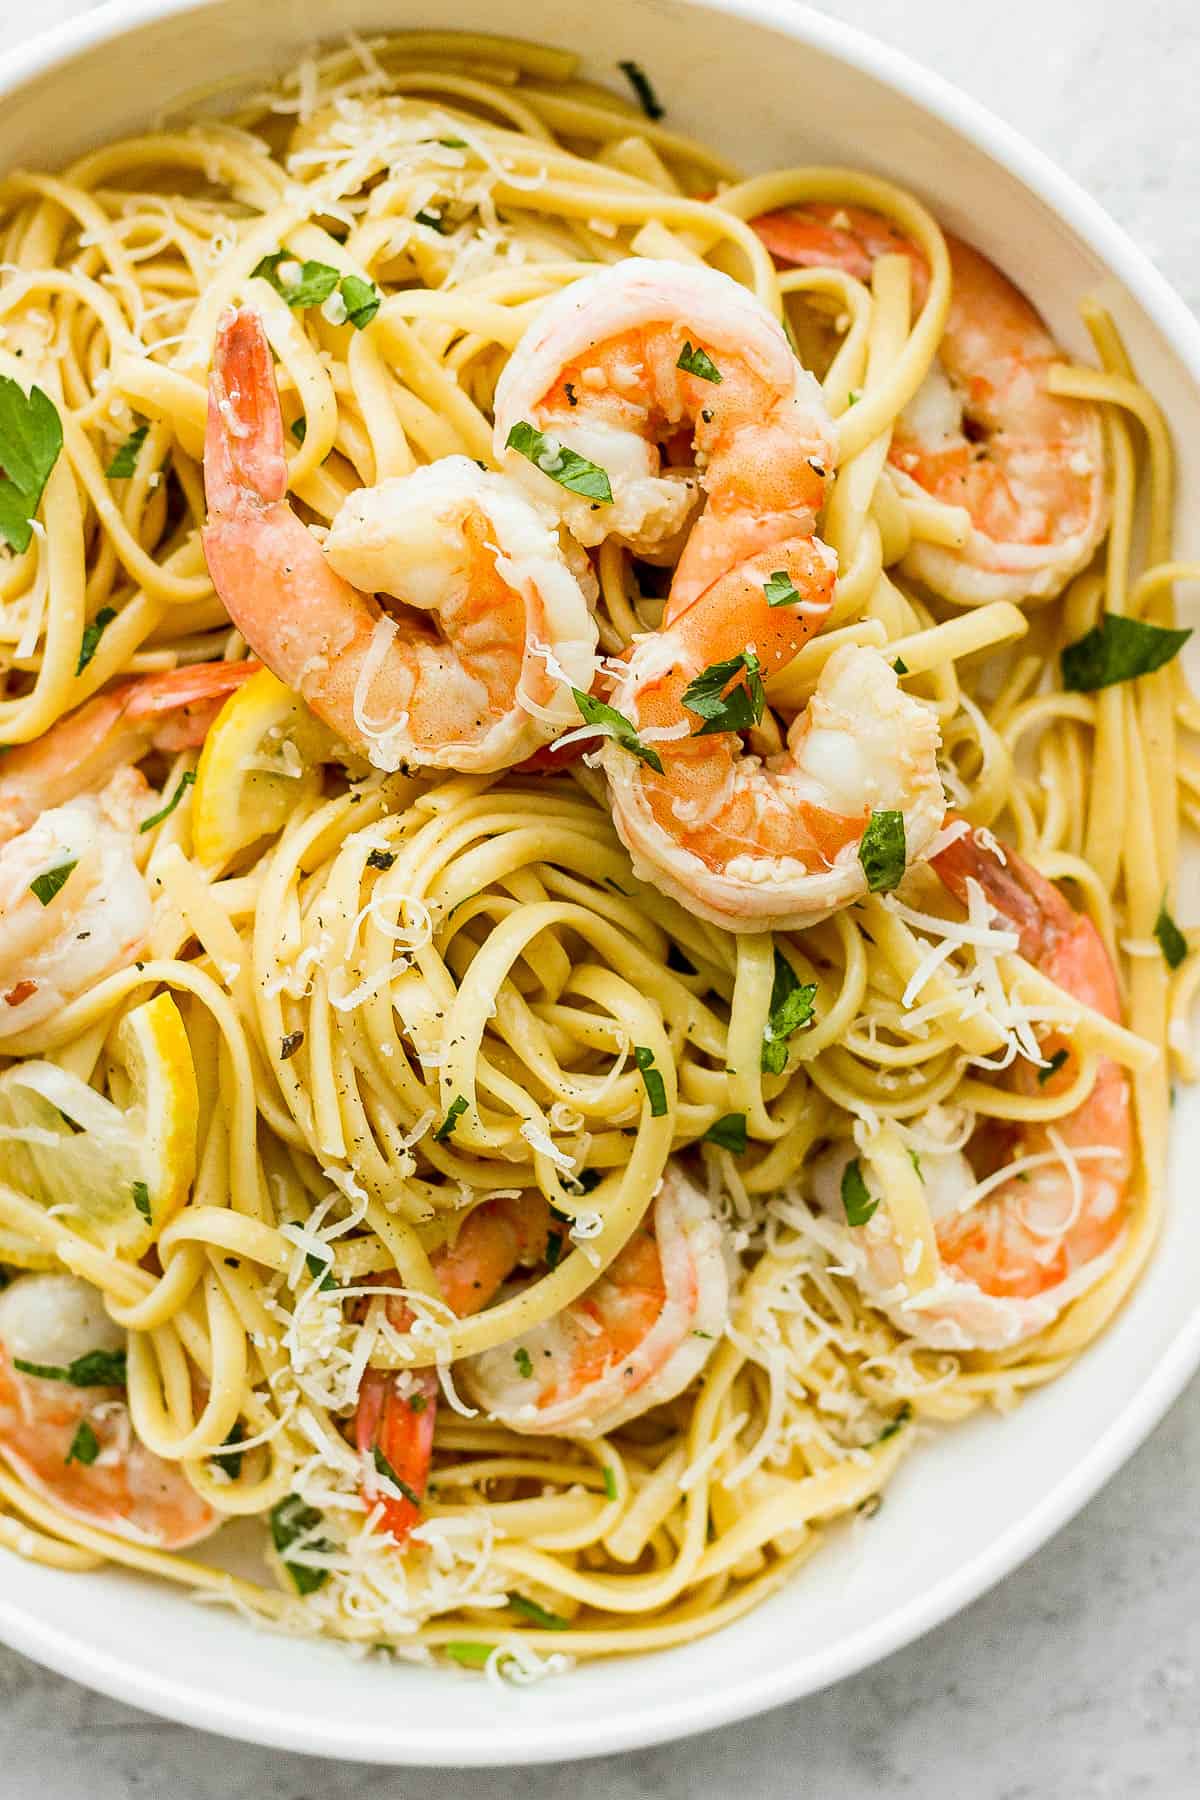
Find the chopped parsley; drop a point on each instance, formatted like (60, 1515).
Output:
(30, 440)
(432, 221)
(523, 1361)
(299, 428)
(897, 1424)
(383, 1467)
(695, 361)
(1118, 649)
(291, 1521)
(185, 782)
(900, 666)
(85, 1445)
(1052, 1067)
(791, 1008)
(729, 1133)
(562, 465)
(453, 143)
(780, 589)
(141, 1199)
(1171, 940)
(538, 1614)
(230, 1459)
(89, 642)
(289, 1045)
(857, 1201)
(51, 881)
(96, 1368)
(311, 285)
(321, 1270)
(883, 852)
(915, 1160)
(381, 859)
(640, 82)
(362, 299)
(620, 729)
(656, 1091)
(446, 1129)
(736, 710)
(610, 1482)
(417, 1403)
(124, 462)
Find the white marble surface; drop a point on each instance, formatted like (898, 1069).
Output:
(1078, 1678)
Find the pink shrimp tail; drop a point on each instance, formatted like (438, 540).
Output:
(243, 444)
(185, 701)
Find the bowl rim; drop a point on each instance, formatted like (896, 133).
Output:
(638, 1726)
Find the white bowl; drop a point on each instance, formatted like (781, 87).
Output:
(770, 83)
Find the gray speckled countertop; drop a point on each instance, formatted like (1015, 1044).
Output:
(1079, 1678)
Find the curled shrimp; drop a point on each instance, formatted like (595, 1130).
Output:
(394, 1419)
(1043, 1235)
(752, 842)
(618, 364)
(73, 903)
(984, 431)
(72, 1440)
(468, 672)
(636, 1338)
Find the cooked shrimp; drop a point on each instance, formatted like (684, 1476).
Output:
(756, 843)
(609, 370)
(73, 903)
(983, 432)
(72, 1441)
(393, 1424)
(637, 1337)
(473, 670)
(1015, 1257)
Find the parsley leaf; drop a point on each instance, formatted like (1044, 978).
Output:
(857, 1201)
(695, 361)
(1052, 1067)
(791, 1008)
(299, 428)
(124, 463)
(312, 283)
(96, 1368)
(621, 730)
(363, 300)
(445, 1130)
(141, 1199)
(538, 1614)
(523, 1361)
(639, 81)
(51, 881)
(780, 590)
(85, 1445)
(883, 852)
(433, 221)
(292, 1520)
(185, 782)
(30, 440)
(381, 859)
(384, 1468)
(1171, 940)
(560, 464)
(231, 1460)
(1118, 649)
(900, 666)
(894, 1425)
(92, 634)
(729, 1133)
(656, 1091)
(736, 710)
(321, 1270)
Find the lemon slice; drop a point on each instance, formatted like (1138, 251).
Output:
(260, 760)
(117, 1166)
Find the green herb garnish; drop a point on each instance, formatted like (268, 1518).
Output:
(883, 852)
(52, 881)
(446, 1129)
(560, 464)
(362, 299)
(292, 1521)
(185, 782)
(857, 1201)
(656, 1091)
(381, 859)
(780, 589)
(30, 440)
(736, 710)
(538, 1614)
(695, 361)
(1118, 649)
(313, 283)
(729, 1133)
(894, 1425)
(299, 428)
(231, 1459)
(85, 1445)
(900, 666)
(639, 81)
(321, 1270)
(791, 1008)
(433, 221)
(1052, 1067)
(96, 1368)
(523, 1361)
(92, 634)
(620, 729)
(610, 1482)
(124, 463)
(141, 1199)
(383, 1467)
(1171, 940)
(471, 1656)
